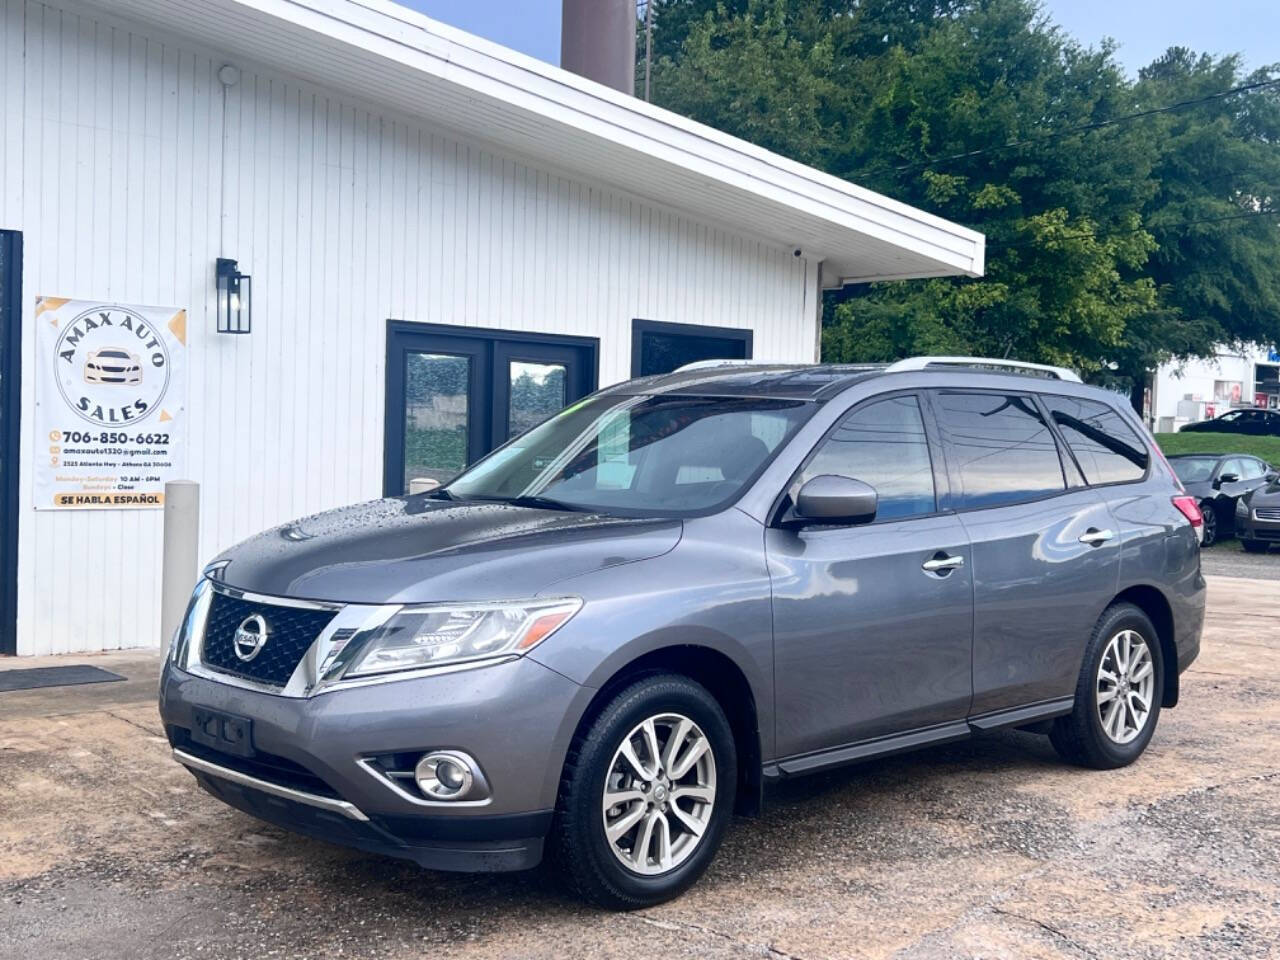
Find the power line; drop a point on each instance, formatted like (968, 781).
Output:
(1152, 227)
(1088, 127)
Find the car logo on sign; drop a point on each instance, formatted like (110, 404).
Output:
(251, 637)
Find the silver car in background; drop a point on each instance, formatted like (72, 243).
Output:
(605, 638)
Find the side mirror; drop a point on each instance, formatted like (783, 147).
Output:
(833, 499)
(1226, 478)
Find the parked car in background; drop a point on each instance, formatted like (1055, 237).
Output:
(1256, 423)
(1258, 517)
(603, 639)
(1218, 482)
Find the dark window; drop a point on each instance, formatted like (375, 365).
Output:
(662, 347)
(1194, 469)
(999, 447)
(1108, 449)
(883, 444)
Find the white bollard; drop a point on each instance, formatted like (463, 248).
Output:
(181, 554)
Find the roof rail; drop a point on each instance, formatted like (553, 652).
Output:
(709, 364)
(994, 364)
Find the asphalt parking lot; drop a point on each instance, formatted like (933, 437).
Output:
(989, 848)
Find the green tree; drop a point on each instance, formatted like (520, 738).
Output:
(986, 113)
(1216, 263)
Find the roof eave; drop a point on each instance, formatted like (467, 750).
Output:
(394, 55)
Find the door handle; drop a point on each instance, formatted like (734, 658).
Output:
(1096, 538)
(942, 564)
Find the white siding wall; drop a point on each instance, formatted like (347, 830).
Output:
(111, 165)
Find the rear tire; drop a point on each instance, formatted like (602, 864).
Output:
(1254, 546)
(1117, 700)
(669, 817)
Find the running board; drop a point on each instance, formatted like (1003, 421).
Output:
(915, 739)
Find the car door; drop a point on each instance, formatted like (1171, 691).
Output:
(873, 622)
(1044, 549)
(1230, 483)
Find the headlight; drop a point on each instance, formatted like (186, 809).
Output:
(429, 636)
(1242, 509)
(192, 622)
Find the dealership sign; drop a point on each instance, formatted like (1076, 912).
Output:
(111, 396)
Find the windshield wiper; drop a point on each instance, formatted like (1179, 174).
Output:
(545, 503)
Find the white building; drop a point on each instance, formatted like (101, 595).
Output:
(1200, 389)
(444, 237)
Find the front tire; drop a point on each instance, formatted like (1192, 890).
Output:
(647, 792)
(1117, 700)
(1209, 533)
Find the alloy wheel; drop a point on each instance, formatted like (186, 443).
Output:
(659, 794)
(1210, 528)
(1125, 686)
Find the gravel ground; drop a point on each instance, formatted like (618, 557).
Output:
(987, 848)
(1227, 558)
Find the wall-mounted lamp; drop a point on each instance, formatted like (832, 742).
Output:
(235, 295)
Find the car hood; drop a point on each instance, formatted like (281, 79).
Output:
(1268, 496)
(421, 550)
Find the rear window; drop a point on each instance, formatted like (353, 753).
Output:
(1106, 447)
(1000, 447)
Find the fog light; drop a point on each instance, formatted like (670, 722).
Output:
(444, 776)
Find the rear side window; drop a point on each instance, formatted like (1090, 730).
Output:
(883, 444)
(999, 447)
(1106, 447)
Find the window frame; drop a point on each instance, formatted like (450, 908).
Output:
(956, 487)
(785, 499)
(1064, 445)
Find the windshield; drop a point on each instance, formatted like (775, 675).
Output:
(639, 455)
(1194, 469)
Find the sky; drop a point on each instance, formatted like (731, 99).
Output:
(1143, 28)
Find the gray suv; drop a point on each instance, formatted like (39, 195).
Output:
(605, 638)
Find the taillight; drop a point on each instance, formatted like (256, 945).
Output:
(1190, 509)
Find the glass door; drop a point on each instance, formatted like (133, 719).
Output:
(10, 358)
(534, 380)
(454, 394)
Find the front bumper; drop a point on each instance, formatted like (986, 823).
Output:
(305, 774)
(1249, 527)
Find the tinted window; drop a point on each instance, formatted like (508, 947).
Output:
(1194, 469)
(1108, 449)
(999, 447)
(883, 444)
(662, 347)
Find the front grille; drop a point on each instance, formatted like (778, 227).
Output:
(1267, 513)
(291, 631)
